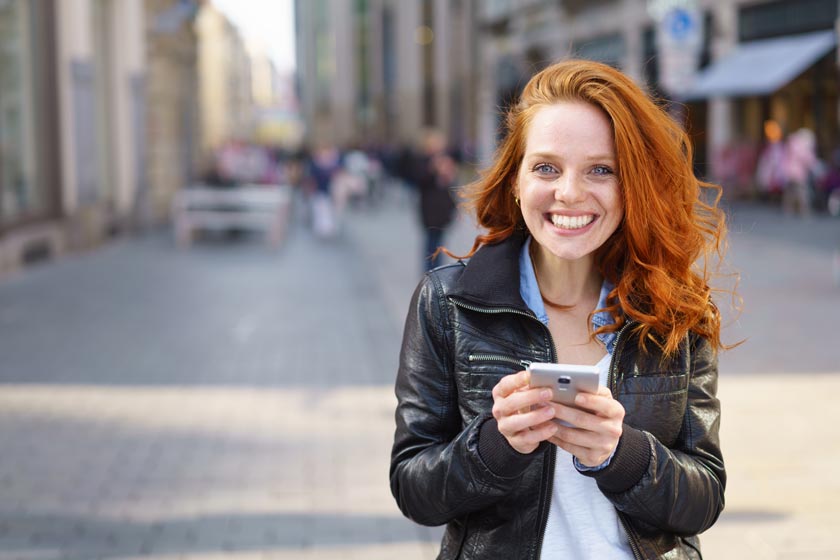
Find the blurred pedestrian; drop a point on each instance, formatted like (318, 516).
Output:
(593, 224)
(435, 176)
(357, 182)
(830, 184)
(323, 169)
(802, 167)
(771, 168)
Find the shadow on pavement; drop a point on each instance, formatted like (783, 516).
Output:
(80, 536)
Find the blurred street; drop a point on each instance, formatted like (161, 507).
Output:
(235, 401)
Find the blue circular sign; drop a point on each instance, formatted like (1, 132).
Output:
(680, 23)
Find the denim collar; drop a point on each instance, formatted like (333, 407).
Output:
(530, 292)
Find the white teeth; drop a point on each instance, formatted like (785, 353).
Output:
(571, 222)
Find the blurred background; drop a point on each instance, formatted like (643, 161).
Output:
(212, 221)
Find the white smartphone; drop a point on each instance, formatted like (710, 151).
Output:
(565, 381)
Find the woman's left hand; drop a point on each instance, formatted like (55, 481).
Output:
(596, 430)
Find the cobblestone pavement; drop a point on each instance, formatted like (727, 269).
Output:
(231, 401)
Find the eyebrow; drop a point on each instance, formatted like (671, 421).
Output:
(552, 156)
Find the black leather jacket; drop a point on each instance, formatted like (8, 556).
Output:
(468, 327)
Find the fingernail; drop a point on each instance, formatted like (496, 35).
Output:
(580, 399)
(545, 394)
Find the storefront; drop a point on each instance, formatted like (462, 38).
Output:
(781, 74)
(791, 80)
(27, 180)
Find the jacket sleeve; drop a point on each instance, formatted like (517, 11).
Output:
(437, 473)
(678, 489)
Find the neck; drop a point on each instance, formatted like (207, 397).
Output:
(566, 283)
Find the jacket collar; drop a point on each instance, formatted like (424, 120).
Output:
(492, 277)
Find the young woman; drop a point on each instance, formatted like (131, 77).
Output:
(594, 227)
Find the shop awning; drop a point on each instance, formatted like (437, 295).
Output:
(761, 67)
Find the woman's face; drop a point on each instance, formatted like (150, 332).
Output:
(567, 184)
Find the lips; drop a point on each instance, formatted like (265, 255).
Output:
(572, 222)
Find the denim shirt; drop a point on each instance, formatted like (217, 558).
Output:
(530, 291)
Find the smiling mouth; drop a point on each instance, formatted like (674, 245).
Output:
(572, 222)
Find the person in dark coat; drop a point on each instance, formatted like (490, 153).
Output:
(435, 174)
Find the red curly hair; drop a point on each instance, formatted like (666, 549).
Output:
(668, 227)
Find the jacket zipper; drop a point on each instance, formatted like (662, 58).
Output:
(548, 472)
(632, 538)
(616, 356)
(498, 358)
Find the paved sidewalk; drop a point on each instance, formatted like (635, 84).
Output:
(235, 402)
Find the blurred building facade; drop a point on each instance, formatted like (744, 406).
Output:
(100, 67)
(171, 124)
(713, 60)
(71, 94)
(224, 74)
(30, 150)
(769, 62)
(380, 71)
(106, 109)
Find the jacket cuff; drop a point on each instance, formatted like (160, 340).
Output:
(628, 465)
(502, 459)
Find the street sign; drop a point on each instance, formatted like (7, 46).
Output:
(679, 40)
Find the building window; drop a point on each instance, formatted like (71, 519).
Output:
(426, 39)
(324, 57)
(650, 61)
(608, 49)
(492, 10)
(787, 17)
(19, 196)
(389, 70)
(363, 97)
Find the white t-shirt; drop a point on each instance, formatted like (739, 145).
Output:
(582, 523)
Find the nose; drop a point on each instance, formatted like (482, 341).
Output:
(569, 189)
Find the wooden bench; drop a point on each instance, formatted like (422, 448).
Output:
(249, 207)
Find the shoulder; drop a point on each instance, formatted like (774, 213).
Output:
(443, 279)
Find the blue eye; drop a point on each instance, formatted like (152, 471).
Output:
(602, 170)
(544, 169)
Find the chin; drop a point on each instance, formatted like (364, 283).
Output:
(570, 253)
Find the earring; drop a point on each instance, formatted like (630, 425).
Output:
(516, 200)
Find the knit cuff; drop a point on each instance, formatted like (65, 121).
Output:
(628, 464)
(502, 459)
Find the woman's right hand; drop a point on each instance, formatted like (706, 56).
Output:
(524, 415)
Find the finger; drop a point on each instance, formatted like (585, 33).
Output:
(591, 447)
(586, 457)
(521, 402)
(575, 417)
(529, 439)
(510, 383)
(586, 439)
(542, 432)
(513, 424)
(603, 391)
(589, 421)
(600, 404)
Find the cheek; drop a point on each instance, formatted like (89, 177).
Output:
(615, 200)
(613, 203)
(535, 191)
